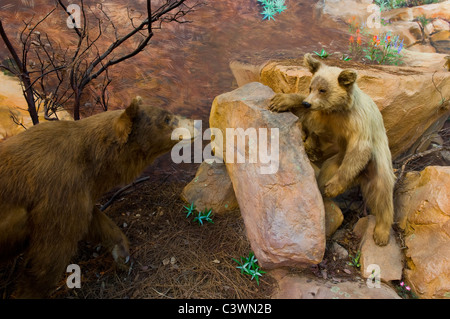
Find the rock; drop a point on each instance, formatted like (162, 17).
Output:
(333, 217)
(245, 73)
(441, 41)
(389, 258)
(339, 251)
(211, 188)
(422, 204)
(430, 11)
(12, 102)
(305, 286)
(345, 9)
(402, 21)
(278, 196)
(398, 91)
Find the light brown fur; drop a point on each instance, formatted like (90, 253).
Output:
(345, 134)
(53, 173)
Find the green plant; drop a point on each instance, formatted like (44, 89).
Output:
(272, 7)
(394, 4)
(384, 50)
(422, 21)
(405, 291)
(354, 261)
(201, 216)
(323, 54)
(346, 58)
(248, 266)
(189, 210)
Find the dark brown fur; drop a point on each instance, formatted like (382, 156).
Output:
(53, 173)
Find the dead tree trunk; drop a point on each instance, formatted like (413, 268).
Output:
(23, 75)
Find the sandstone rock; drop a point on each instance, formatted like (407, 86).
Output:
(422, 204)
(339, 251)
(441, 41)
(402, 21)
(12, 102)
(245, 73)
(333, 217)
(398, 91)
(305, 286)
(345, 9)
(389, 258)
(430, 11)
(211, 188)
(280, 202)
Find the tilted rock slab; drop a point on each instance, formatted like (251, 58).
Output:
(422, 205)
(282, 209)
(388, 259)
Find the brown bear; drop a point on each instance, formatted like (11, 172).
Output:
(346, 134)
(53, 173)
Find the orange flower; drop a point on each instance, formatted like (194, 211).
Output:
(357, 31)
(358, 40)
(351, 39)
(389, 39)
(375, 38)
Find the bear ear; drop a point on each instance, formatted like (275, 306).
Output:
(347, 77)
(312, 64)
(124, 123)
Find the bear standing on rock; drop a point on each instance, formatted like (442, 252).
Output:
(51, 176)
(345, 128)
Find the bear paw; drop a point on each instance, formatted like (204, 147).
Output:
(333, 188)
(381, 236)
(280, 103)
(121, 255)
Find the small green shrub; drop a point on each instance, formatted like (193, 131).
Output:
(248, 266)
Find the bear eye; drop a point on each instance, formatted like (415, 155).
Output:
(322, 91)
(167, 120)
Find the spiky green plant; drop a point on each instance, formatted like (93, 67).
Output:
(249, 266)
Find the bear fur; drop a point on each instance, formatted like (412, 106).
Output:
(346, 137)
(53, 173)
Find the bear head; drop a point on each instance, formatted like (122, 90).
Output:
(149, 129)
(331, 88)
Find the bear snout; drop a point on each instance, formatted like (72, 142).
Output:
(306, 104)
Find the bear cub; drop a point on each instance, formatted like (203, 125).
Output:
(346, 137)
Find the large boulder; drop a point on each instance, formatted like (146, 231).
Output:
(306, 286)
(422, 205)
(401, 21)
(278, 196)
(410, 99)
(388, 259)
(14, 116)
(211, 188)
